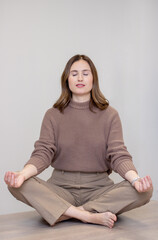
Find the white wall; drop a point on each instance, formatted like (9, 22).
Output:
(37, 37)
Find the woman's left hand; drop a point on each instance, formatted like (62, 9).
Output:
(144, 184)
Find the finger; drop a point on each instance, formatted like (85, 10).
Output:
(150, 181)
(141, 186)
(12, 179)
(6, 177)
(16, 181)
(138, 188)
(147, 182)
(9, 177)
(136, 185)
(144, 185)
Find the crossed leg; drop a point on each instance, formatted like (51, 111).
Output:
(101, 210)
(105, 219)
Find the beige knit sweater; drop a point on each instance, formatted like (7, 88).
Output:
(80, 140)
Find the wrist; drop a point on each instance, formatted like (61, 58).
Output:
(131, 175)
(134, 180)
(28, 171)
(22, 173)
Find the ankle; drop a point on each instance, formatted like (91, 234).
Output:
(89, 217)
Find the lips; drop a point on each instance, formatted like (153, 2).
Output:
(80, 85)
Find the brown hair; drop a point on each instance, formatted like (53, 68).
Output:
(97, 98)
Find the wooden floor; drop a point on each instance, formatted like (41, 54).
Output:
(138, 224)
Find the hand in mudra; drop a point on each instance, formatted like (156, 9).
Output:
(14, 179)
(143, 184)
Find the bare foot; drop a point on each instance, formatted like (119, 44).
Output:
(105, 219)
(63, 217)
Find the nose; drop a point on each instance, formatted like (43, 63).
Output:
(80, 76)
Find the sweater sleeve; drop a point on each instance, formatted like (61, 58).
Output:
(119, 158)
(45, 146)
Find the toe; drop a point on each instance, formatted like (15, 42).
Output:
(111, 224)
(113, 217)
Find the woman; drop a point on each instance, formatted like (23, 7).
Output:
(81, 137)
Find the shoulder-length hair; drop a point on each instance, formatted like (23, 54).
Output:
(97, 98)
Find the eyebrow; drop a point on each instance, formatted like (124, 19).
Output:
(82, 70)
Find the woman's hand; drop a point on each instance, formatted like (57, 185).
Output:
(143, 184)
(14, 179)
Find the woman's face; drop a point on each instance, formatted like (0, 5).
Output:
(80, 79)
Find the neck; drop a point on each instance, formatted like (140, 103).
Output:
(81, 98)
(79, 105)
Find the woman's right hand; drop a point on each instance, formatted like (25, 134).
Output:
(14, 179)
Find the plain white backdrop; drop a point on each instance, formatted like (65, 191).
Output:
(37, 38)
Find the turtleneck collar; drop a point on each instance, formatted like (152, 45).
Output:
(79, 105)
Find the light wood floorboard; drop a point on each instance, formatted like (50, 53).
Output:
(137, 224)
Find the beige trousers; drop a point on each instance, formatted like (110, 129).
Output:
(96, 192)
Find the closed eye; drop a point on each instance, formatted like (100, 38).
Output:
(84, 72)
(74, 74)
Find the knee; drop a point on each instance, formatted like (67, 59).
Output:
(144, 197)
(139, 198)
(18, 194)
(11, 189)
(14, 191)
(148, 195)
(17, 191)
